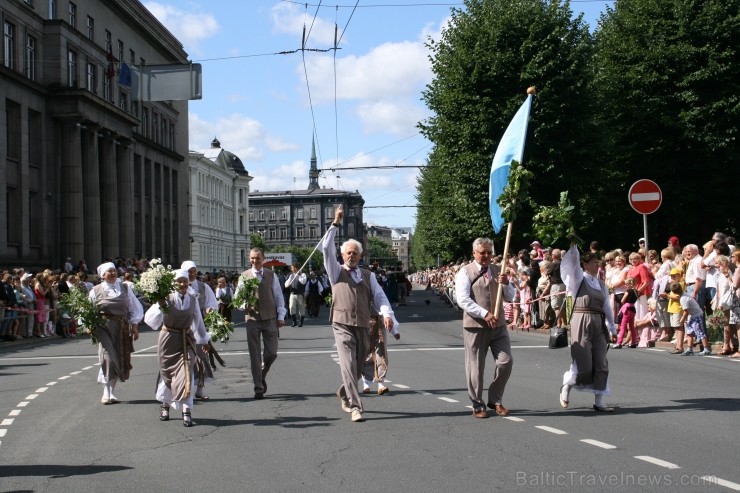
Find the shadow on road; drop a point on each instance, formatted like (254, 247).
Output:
(56, 470)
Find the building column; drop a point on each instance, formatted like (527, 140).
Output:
(71, 207)
(109, 197)
(91, 199)
(125, 167)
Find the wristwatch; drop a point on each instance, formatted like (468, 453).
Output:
(335, 225)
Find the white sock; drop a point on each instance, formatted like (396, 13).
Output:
(599, 400)
(380, 385)
(106, 391)
(565, 392)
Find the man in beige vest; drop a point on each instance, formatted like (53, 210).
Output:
(353, 289)
(476, 289)
(263, 324)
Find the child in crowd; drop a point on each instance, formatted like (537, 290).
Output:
(693, 317)
(629, 298)
(525, 298)
(674, 308)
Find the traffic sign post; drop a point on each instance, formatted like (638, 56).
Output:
(645, 198)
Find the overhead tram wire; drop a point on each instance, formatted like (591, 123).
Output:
(305, 72)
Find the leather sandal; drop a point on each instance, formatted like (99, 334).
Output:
(164, 413)
(187, 421)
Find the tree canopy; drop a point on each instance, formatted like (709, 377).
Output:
(653, 93)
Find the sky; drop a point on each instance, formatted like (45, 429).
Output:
(265, 101)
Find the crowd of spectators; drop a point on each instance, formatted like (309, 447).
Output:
(640, 282)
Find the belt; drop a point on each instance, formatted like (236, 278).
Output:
(175, 330)
(587, 310)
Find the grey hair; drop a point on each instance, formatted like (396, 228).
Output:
(482, 242)
(352, 242)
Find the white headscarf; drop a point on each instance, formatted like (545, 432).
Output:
(104, 267)
(181, 273)
(187, 265)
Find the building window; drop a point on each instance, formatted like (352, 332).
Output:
(272, 233)
(72, 10)
(312, 231)
(90, 27)
(299, 232)
(71, 68)
(163, 132)
(272, 214)
(155, 127)
(299, 213)
(241, 224)
(8, 45)
(350, 230)
(283, 233)
(313, 212)
(52, 9)
(90, 77)
(119, 58)
(31, 57)
(144, 120)
(135, 109)
(262, 215)
(108, 42)
(251, 215)
(107, 90)
(172, 136)
(329, 212)
(123, 101)
(351, 212)
(284, 214)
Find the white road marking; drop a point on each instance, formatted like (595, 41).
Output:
(655, 349)
(14, 412)
(76, 372)
(50, 384)
(552, 430)
(42, 389)
(447, 399)
(3, 432)
(514, 418)
(31, 397)
(7, 422)
(658, 462)
(145, 349)
(599, 444)
(63, 378)
(22, 404)
(401, 386)
(88, 367)
(716, 480)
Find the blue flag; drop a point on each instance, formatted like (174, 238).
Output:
(124, 77)
(509, 149)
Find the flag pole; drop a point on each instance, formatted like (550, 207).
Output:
(504, 263)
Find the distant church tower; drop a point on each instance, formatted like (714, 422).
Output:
(313, 174)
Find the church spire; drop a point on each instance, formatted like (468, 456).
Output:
(313, 174)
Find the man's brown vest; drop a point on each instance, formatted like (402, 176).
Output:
(267, 308)
(481, 292)
(350, 303)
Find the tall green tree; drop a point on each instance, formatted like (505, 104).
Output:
(667, 79)
(486, 58)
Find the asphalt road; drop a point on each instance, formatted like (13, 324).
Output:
(674, 429)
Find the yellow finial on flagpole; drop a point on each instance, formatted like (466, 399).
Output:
(532, 90)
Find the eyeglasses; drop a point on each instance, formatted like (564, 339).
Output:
(484, 252)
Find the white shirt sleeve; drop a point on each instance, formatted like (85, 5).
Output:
(210, 301)
(277, 294)
(199, 328)
(154, 317)
(135, 310)
(330, 255)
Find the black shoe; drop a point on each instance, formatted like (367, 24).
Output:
(300, 324)
(258, 396)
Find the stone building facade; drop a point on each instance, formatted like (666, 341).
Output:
(88, 172)
(219, 207)
(300, 217)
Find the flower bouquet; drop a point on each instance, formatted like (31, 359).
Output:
(157, 283)
(217, 325)
(246, 294)
(715, 328)
(77, 304)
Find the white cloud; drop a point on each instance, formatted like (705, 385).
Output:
(389, 70)
(190, 28)
(398, 117)
(238, 134)
(290, 18)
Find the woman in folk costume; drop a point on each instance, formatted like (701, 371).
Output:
(590, 327)
(206, 302)
(123, 312)
(182, 330)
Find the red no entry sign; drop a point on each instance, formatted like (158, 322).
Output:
(645, 196)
